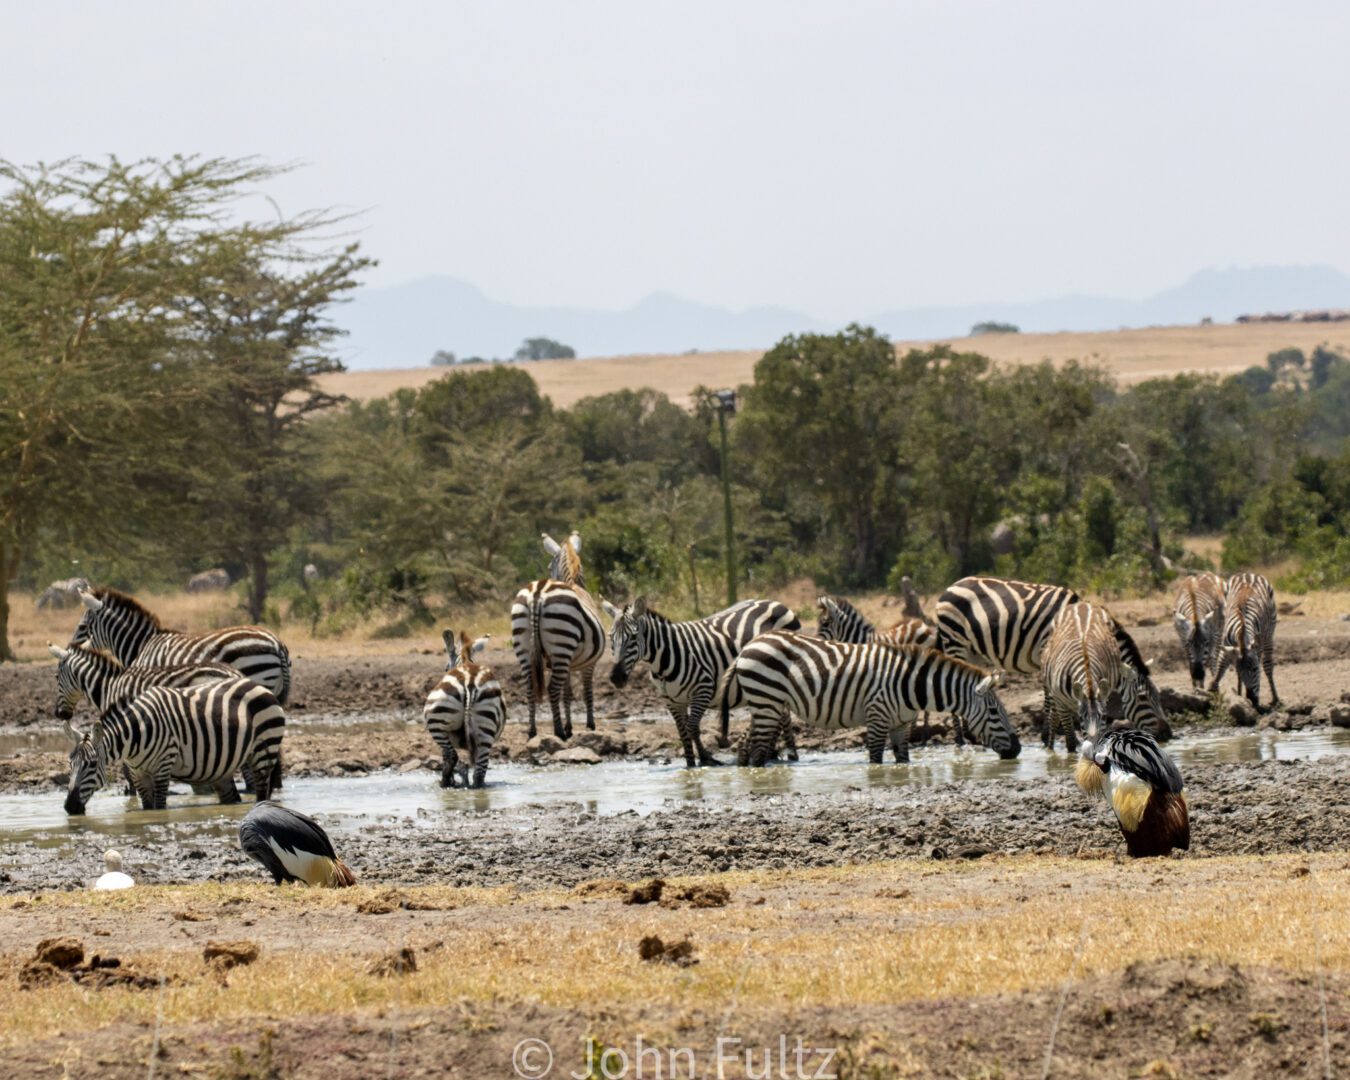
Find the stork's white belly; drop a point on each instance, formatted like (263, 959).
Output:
(113, 879)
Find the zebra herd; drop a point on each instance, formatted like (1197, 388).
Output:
(201, 708)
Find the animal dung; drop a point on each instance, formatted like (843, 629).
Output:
(228, 954)
(653, 950)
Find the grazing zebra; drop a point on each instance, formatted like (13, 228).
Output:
(836, 685)
(122, 625)
(1143, 786)
(1081, 667)
(688, 658)
(1248, 636)
(556, 628)
(1197, 615)
(199, 734)
(465, 711)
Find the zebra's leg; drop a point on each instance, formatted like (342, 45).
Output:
(765, 724)
(161, 796)
(878, 731)
(557, 680)
(276, 771)
(694, 722)
(529, 693)
(724, 733)
(226, 791)
(899, 738)
(449, 763)
(1220, 667)
(126, 775)
(1268, 663)
(588, 692)
(479, 749)
(145, 788)
(789, 739)
(682, 727)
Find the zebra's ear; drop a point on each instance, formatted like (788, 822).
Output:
(57, 651)
(985, 685)
(89, 600)
(479, 645)
(640, 607)
(71, 732)
(451, 649)
(575, 541)
(609, 609)
(551, 546)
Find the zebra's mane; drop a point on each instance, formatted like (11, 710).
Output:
(103, 654)
(924, 650)
(126, 600)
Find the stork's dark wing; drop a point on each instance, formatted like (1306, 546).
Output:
(289, 828)
(1138, 753)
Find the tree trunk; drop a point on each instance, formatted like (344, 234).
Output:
(9, 568)
(257, 586)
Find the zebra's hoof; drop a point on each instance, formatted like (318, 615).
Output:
(723, 742)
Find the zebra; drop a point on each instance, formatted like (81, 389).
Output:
(556, 627)
(835, 685)
(688, 658)
(86, 672)
(1004, 624)
(465, 711)
(1197, 615)
(566, 559)
(839, 620)
(126, 628)
(1081, 666)
(1248, 635)
(200, 734)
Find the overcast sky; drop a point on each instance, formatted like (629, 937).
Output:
(837, 157)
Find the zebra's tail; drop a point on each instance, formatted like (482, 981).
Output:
(284, 655)
(536, 650)
(728, 690)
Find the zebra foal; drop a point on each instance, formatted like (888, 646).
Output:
(198, 734)
(1081, 666)
(878, 686)
(1197, 616)
(465, 711)
(1248, 639)
(688, 658)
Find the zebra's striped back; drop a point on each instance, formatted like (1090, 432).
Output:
(833, 684)
(1004, 624)
(1197, 615)
(1082, 666)
(841, 621)
(198, 734)
(1248, 640)
(133, 634)
(85, 672)
(556, 627)
(465, 712)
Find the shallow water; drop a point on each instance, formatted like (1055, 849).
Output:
(353, 805)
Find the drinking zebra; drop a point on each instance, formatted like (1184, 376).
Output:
(134, 635)
(882, 687)
(688, 658)
(199, 734)
(1248, 636)
(465, 711)
(1197, 615)
(556, 628)
(1082, 665)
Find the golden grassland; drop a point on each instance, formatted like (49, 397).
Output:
(1132, 355)
(31, 630)
(876, 934)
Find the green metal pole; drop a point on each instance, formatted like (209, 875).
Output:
(726, 505)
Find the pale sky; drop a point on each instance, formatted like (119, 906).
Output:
(834, 157)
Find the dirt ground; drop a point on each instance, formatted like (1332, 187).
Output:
(998, 968)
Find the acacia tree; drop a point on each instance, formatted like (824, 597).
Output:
(260, 309)
(97, 379)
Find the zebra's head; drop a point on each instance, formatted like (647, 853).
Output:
(462, 651)
(565, 564)
(830, 618)
(1248, 665)
(84, 629)
(88, 766)
(1199, 638)
(627, 638)
(79, 669)
(988, 720)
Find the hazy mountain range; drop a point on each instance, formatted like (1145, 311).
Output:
(403, 325)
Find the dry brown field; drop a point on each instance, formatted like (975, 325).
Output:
(1132, 355)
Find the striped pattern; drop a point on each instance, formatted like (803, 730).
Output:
(465, 711)
(998, 623)
(1248, 639)
(88, 673)
(841, 621)
(881, 687)
(688, 658)
(199, 734)
(1082, 666)
(124, 627)
(1197, 615)
(565, 564)
(556, 633)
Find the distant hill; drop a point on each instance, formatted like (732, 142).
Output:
(402, 325)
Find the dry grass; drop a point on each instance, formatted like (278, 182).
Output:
(884, 933)
(1133, 355)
